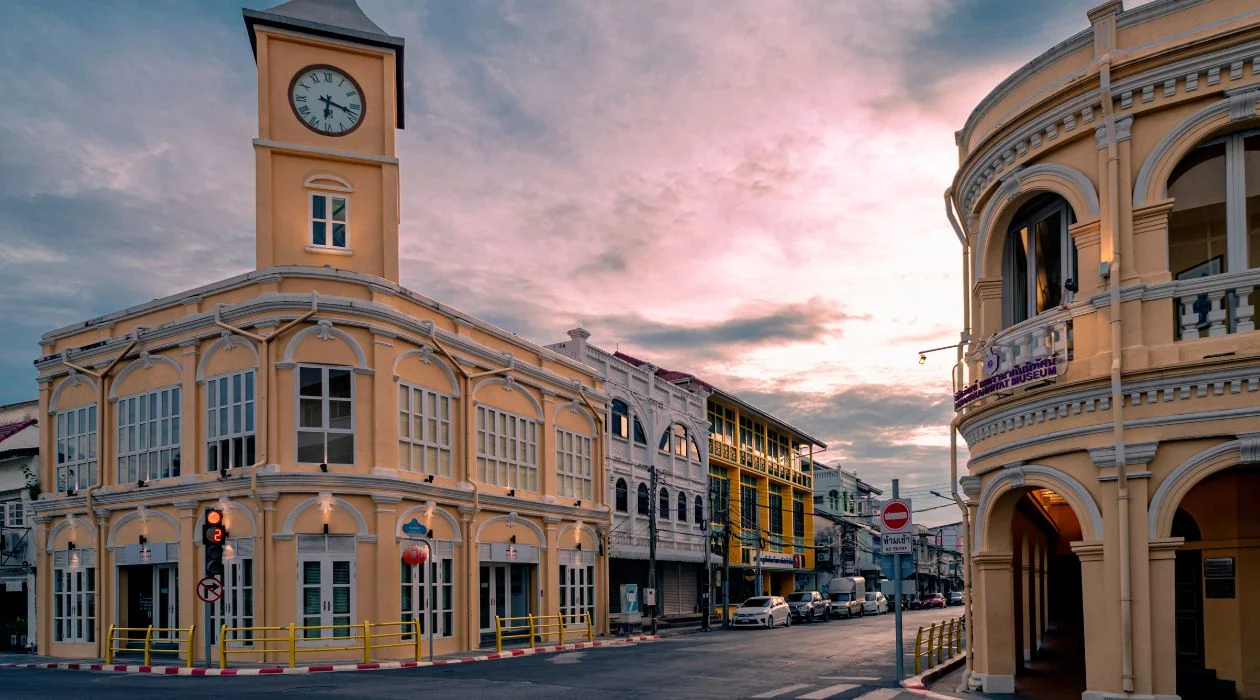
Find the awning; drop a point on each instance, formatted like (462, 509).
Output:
(8, 430)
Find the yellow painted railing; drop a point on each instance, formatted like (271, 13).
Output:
(539, 627)
(362, 638)
(183, 641)
(944, 639)
(766, 465)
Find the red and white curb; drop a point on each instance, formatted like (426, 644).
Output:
(918, 684)
(326, 668)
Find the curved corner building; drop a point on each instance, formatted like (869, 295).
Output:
(1109, 196)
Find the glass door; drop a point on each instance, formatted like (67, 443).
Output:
(236, 607)
(494, 598)
(326, 593)
(166, 601)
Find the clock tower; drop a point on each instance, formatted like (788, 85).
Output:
(330, 95)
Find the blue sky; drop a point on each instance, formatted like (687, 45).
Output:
(747, 190)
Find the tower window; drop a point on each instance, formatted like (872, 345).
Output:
(329, 217)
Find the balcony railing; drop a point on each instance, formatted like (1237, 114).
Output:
(760, 463)
(1216, 305)
(1046, 335)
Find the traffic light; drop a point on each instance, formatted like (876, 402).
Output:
(214, 535)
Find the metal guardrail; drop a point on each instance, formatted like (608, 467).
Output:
(361, 637)
(537, 627)
(944, 639)
(183, 641)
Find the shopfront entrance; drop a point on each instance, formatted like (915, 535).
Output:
(506, 584)
(149, 595)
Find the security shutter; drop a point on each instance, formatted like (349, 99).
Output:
(688, 598)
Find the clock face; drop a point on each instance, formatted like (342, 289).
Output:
(326, 100)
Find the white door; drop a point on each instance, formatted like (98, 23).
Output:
(494, 598)
(577, 593)
(236, 608)
(325, 586)
(166, 601)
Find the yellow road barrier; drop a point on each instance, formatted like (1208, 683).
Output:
(539, 627)
(944, 639)
(363, 638)
(183, 641)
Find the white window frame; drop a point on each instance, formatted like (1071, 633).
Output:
(414, 581)
(14, 513)
(1067, 261)
(327, 561)
(74, 596)
(575, 476)
(430, 453)
(328, 221)
(143, 454)
(242, 411)
(326, 400)
(84, 448)
(507, 449)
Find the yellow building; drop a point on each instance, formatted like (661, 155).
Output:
(1110, 389)
(335, 415)
(757, 474)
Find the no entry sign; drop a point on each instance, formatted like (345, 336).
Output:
(894, 516)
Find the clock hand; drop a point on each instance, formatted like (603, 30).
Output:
(338, 106)
(327, 110)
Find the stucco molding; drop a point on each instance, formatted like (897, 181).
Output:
(579, 409)
(1151, 184)
(513, 519)
(314, 502)
(1184, 477)
(427, 356)
(509, 383)
(146, 514)
(324, 330)
(79, 524)
(227, 341)
(74, 379)
(145, 362)
(1068, 182)
(1037, 475)
(417, 511)
(586, 528)
(327, 181)
(1136, 454)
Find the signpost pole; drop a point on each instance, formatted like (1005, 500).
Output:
(896, 493)
(209, 633)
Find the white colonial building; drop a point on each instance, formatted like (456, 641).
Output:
(652, 422)
(19, 470)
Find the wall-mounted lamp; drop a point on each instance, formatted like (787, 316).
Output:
(579, 546)
(512, 493)
(323, 466)
(511, 539)
(923, 359)
(140, 484)
(70, 545)
(325, 502)
(144, 540)
(428, 479)
(577, 504)
(325, 528)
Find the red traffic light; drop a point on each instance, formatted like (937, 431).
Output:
(214, 517)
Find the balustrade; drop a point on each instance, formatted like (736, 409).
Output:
(1216, 312)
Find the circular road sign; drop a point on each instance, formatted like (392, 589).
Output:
(895, 516)
(209, 589)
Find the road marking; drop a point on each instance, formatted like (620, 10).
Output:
(827, 692)
(782, 691)
(570, 658)
(880, 694)
(859, 679)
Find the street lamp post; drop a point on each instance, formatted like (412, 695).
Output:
(708, 572)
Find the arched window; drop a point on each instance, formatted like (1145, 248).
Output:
(1214, 226)
(695, 449)
(699, 510)
(682, 507)
(623, 497)
(620, 426)
(1038, 260)
(640, 437)
(644, 506)
(664, 504)
(663, 445)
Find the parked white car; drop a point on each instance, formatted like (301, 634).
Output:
(763, 611)
(876, 604)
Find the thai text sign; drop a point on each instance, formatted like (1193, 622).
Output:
(1045, 368)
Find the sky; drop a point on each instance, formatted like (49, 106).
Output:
(746, 190)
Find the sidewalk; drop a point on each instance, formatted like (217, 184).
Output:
(257, 669)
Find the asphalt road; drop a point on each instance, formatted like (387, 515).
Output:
(840, 660)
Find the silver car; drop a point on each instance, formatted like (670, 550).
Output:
(763, 611)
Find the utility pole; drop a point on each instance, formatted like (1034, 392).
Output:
(706, 526)
(726, 559)
(652, 506)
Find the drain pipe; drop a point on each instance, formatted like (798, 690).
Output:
(958, 377)
(1117, 366)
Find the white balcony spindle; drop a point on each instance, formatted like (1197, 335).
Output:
(1243, 311)
(1216, 317)
(1040, 342)
(1189, 318)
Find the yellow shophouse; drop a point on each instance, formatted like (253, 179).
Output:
(335, 416)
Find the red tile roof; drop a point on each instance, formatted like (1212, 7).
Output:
(8, 430)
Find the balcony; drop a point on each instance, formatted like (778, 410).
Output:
(1046, 335)
(760, 463)
(1213, 306)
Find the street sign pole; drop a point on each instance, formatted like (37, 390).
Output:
(208, 634)
(896, 493)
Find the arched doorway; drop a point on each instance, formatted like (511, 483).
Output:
(1217, 623)
(1029, 622)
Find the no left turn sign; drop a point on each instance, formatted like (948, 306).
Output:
(894, 516)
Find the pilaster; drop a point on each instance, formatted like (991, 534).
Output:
(994, 606)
